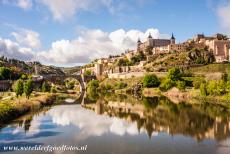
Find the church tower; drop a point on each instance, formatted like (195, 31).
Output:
(150, 40)
(138, 44)
(172, 40)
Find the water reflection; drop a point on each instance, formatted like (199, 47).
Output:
(158, 114)
(123, 124)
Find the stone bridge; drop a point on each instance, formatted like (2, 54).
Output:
(83, 79)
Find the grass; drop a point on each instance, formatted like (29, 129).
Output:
(13, 107)
(212, 68)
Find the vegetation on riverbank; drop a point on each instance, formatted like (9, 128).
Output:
(188, 86)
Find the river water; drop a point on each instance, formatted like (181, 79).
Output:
(123, 125)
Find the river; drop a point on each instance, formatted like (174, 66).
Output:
(123, 125)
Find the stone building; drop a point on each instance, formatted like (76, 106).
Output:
(169, 48)
(220, 49)
(152, 43)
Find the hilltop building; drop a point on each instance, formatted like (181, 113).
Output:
(218, 44)
(152, 43)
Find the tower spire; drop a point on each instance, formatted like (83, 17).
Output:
(150, 36)
(172, 37)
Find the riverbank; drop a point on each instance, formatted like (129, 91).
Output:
(13, 107)
(191, 96)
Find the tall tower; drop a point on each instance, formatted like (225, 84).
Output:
(150, 40)
(172, 40)
(138, 44)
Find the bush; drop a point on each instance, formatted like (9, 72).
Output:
(221, 87)
(88, 72)
(174, 74)
(28, 88)
(5, 73)
(181, 85)
(197, 83)
(105, 87)
(150, 80)
(121, 85)
(93, 85)
(212, 88)
(167, 84)
(18, 87)
(203, 89)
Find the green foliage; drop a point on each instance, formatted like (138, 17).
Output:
(28, 88)
(224, 77)
(121, 85)
(24, 77)
(174, 74)
(200, 60)
(45, 87)
(18, 87)
(5, 73)
(106, 87)
(92, 86)
(150, 80)
(181, 85)
(137, 58)
(167, 84)
(197, 83)
(53, 89)
(123, 62)
(203, 89)
(216, 87)
(221, 87)
(212, 87)
(88, 72)
(70, 84)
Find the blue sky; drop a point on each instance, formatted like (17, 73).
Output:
(76, 31)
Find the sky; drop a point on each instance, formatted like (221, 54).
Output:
(74, 32)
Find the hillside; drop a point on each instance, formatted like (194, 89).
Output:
(23, 67)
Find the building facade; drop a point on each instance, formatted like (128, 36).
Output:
(153, 43)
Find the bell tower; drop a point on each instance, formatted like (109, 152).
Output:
(172, 40)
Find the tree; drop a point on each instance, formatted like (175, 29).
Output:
(18, 87)
(88, 72)
(92, 86)
(167, 84)
(28, 88)
(150, 80)
(174, 74)
(5, 73)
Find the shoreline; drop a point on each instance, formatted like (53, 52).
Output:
(13, 109)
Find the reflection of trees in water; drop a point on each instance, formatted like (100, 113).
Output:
(159, 114)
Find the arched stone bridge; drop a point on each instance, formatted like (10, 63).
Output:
(83, 79)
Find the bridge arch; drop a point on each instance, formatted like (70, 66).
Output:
(82, 79)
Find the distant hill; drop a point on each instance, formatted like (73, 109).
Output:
(29, 67)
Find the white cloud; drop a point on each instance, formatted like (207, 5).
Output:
(89, 45)
(24, 4)
(28, 38)
(67, 8)
(223, 12)
(11, 49)
(94, 43)
(63, 9)
(91, 124)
